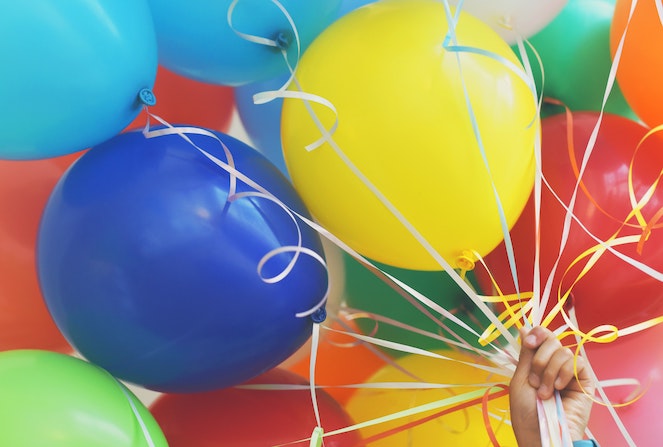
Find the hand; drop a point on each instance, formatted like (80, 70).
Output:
(543, 367)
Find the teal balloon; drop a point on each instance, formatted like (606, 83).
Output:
(195, 39)
(364, 291)
(51, 399)
(71, 73)
(575, 52)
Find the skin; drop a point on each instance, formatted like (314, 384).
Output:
(543, 367)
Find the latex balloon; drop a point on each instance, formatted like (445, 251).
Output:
(262, 122)
(639, 359)
(513, 18)
(418, 149)
(336, 279)
(358, 361)
(24, 190)
(575, 51)
(181, 100)
(76, 71)
(640, 86)
(196, 40)
(463, 427)
(367, 292)
(154, 272)
(350, 5)
(250, 417)
(60, 401)
(600, 296)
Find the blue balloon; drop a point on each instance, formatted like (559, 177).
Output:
(151, 273)
(262, 122)
(71, 73)
(195, 39)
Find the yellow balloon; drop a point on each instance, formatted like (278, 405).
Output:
(404, 123)
(459, 428)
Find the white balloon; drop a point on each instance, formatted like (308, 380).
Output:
(513, 18)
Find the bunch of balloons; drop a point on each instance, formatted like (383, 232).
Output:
(416, 179)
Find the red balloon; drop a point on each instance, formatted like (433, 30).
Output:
(250, 418)
(24, 189)
(181, 100)
(613, 292)
(635, 356)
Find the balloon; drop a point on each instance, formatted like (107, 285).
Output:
(336, 280)
(196, 40)
(61, 401)
(418, 149)
(359, 361)
(638, 357)
(153, 274)
(575, 52)
(464, 427)
(250, 417)
(73, 73)
(367, 292)
(644, 36)
(262, 122)
(513, 18)
(600, 296)
(185, 101)
(350, 5)
(24, 190)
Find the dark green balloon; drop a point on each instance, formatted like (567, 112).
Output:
(575, 52)
(365, 291)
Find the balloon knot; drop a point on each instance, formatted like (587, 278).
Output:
(316, 437)
(505, 22)
(146, 97)
(283, 40)
(319, 315)
(466, 261)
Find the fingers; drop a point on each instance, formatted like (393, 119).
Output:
(551, 366)
(527, 351)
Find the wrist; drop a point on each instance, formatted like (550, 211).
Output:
(585, 443)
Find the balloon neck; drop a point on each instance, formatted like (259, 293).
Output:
(506, 22)
(146, 97)
(283, 40)
(319, 315)
(466, 261)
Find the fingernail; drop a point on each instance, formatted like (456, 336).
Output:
(544, 392)
(530, 340)
(534, 381)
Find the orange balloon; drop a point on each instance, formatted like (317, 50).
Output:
(641, 65)
(181, 100)
(25, 322)
(340, 361)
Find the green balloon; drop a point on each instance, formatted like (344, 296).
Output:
(366, 292)
(575, 53)
(55, 400)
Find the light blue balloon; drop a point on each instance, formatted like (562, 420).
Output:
(196, 41)
(71, 73)
(262, 122)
